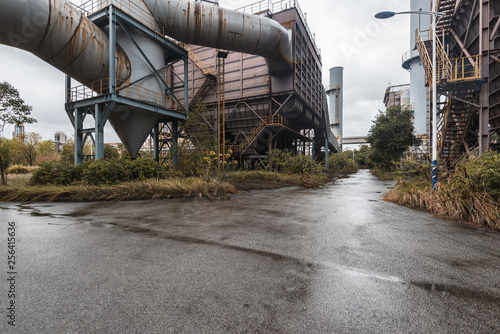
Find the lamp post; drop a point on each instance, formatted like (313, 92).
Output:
(436, 16)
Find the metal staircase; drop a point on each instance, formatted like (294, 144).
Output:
(267, 122)
(457, 82)
(210, 80)
(448, 8)
(209, 72)
(452, 130)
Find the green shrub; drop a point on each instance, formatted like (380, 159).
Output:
(18, 170)
(96, 172)
(341, 164)
(57, 173)
(148, 169)
(285, 162)
(99, 172)
(482, 173)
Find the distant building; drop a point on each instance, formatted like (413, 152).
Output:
(114, 145)
(18, 131)
(397, 95)
(60, 139)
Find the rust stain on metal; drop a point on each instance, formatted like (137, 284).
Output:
(222, 24)
(78, 47)
(197, 21)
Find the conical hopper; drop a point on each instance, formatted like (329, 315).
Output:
(133, 126)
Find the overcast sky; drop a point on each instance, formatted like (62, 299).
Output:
(348, 35)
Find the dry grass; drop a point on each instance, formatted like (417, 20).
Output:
(476, 208)
(314, 180)
(148, 189)
(18, 180)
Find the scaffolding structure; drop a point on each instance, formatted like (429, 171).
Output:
(468, 75)
(126, 100)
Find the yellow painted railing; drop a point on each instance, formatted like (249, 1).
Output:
(204, 67)
(424, 56)
(267, 121)
(447, 70)
(134, 92)
(459, 69)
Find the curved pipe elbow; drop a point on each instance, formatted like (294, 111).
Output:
(206, 25)
(59, 34)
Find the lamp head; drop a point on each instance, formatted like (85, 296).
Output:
(384, 15)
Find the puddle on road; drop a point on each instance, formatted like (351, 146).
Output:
(457, 291)
(41, 214)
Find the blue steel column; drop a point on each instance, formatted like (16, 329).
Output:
(112, 50)
(326, 150)
(175, 141)
(99, 132)
(78, 136)
(156, 139)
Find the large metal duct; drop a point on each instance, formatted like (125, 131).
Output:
(207, 25)
(59, 34)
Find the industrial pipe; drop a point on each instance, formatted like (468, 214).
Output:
(59, 34)
(207, 25)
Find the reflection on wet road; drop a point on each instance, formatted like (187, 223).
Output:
(334, 260)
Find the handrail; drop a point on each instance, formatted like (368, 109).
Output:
(455, 69)
(204, 67)
(127, 6)
(426, 61)
(134, 92)
(409, 55)
(266, 121)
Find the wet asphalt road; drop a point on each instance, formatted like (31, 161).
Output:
(334, 260)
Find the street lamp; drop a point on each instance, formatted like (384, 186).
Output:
(436, 16)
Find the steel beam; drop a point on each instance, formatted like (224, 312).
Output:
(175, 142)
(484, 98)
(79, 117)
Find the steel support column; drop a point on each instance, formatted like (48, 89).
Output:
(79, 142)
(175, 142)
(156, 141)
(112, 50)
(484, 47)
(326, 151)
(99, 132)
(186, 85)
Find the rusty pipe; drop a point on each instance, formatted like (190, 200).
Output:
(207, 25)
(59, 34)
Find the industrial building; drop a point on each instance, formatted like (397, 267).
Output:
(143, 65)
(256, 105)
(398, 95)
(468, 74)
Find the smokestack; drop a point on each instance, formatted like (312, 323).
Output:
(336, 100)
